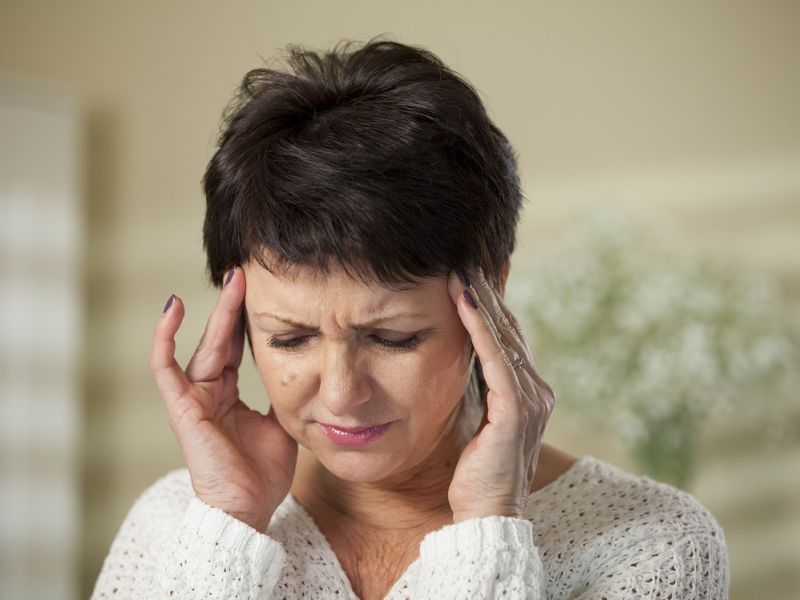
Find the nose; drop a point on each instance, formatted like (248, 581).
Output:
(343, 384)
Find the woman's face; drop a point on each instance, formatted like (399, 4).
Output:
(337, 368)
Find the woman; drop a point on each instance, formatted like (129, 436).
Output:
(402, 453)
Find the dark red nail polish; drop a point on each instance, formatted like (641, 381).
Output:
(229, 275)
(170, 300)
(469, 298)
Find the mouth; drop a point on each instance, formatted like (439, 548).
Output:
(353, 429)
(355, 436)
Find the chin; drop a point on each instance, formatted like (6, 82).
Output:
(359, 466)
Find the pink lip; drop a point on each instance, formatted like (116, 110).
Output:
(353, 429)
(354, 436)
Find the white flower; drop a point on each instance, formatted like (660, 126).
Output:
(633, 339)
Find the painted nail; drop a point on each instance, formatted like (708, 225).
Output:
(170, 300)
(469, 298)
(229, 275)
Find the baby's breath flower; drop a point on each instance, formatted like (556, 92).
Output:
(649, 346)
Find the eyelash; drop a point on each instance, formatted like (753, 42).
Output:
(396, 346)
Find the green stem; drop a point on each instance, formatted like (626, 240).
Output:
(668, 454)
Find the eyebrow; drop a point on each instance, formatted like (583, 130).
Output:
(358, 327)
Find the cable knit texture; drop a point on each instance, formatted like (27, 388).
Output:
(596, 532)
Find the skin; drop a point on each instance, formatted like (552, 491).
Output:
(343, 376)
(442, 460)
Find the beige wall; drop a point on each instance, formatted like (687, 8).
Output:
(683, 113)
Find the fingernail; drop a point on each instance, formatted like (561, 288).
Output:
(229, 275)
(469, 298)
(464, 278)
(170, 300)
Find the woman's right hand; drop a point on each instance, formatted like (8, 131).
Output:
(240, 460)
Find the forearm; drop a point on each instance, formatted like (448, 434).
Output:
(210, 554)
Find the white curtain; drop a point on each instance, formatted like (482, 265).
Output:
(40, 341)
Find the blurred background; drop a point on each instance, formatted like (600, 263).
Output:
(657, 271)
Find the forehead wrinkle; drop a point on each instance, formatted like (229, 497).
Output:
(355, 326)
(326, 293)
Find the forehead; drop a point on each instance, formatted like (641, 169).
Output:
(307, 286)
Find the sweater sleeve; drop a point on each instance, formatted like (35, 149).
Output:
(173, 545)
(481, 558)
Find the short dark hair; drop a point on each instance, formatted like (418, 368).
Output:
(375, 155)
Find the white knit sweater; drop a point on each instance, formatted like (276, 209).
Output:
(596, 532)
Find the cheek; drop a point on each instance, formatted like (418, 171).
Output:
(281, 379)
(288, 400)
(449, 359)
(436, 382)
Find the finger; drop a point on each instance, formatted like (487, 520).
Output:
(514, 348)
(171, 381)
(499, 377)
(236, 347)
(456, 289)
(229, 395)
(505, 323)
(513, 344)
(510, 331)
(508, 322)
(222, 342)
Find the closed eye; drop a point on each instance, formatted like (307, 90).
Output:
(395, 345)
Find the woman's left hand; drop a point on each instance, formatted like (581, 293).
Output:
(496, 468)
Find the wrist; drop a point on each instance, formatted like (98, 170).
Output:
(260, 524)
